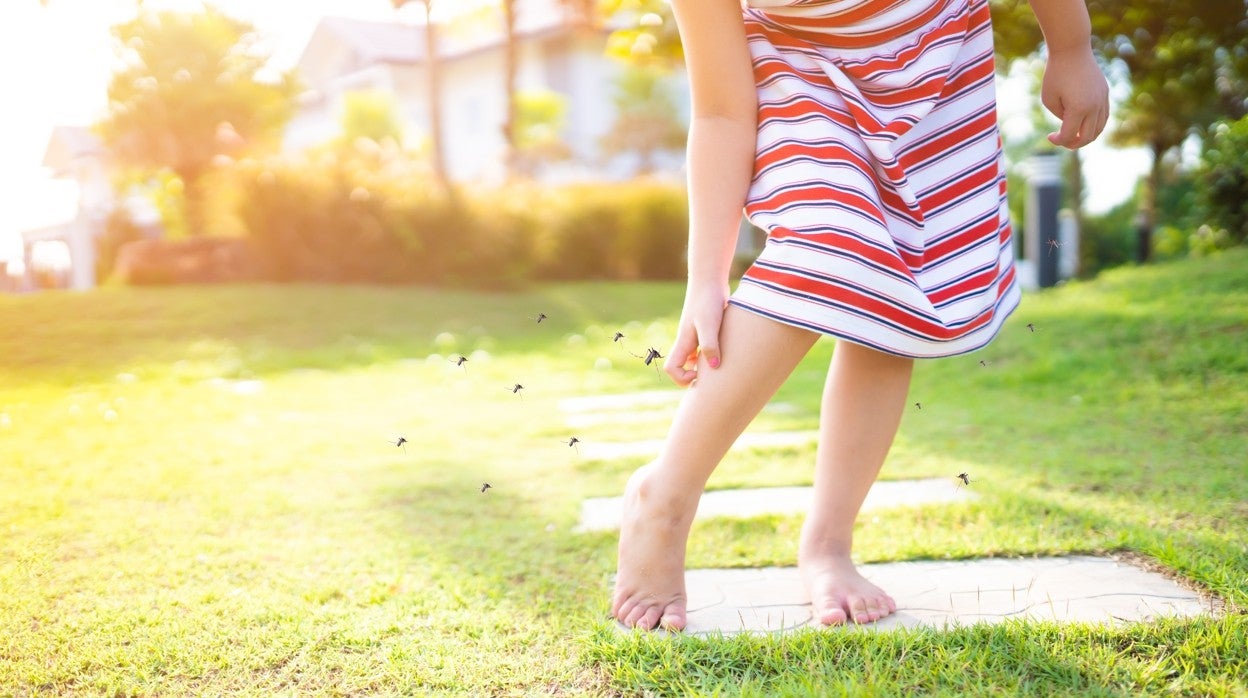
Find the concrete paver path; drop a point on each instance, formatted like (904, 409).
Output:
(604, 513)
(947, 593)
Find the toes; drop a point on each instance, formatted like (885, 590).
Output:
(623, 609)
(833, 615)
(634, 616)
(859, 611)
(673, 620)
(650, 618)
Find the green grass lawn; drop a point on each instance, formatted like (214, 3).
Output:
(198, 496)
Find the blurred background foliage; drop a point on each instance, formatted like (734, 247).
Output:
(199, 135)
(370, 213)
(1183, 69)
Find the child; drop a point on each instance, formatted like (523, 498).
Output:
(861, 134)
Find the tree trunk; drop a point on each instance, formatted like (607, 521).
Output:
(1148, 211)
(433, 64)
(1074, 185)
(511, 63)
(194, 203)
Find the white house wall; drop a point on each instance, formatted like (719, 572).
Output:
(591, 111)
(473, 102)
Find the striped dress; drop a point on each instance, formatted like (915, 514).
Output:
(878, 174)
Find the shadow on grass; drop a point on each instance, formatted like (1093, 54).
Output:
(246, 331)
(1015, 658)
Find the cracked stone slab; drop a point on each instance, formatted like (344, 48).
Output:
(609, 450)
(604, 513)
(945, 594)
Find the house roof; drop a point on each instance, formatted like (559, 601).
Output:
(69, 143)
(375, 42)
(379, 42)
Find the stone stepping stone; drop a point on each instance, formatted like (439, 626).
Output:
(944, 594)
(610, 450)
(603, 513)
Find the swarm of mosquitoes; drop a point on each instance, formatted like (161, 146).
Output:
(460, 360)
(964, 479)
(649, 359)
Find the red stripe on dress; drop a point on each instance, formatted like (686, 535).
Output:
(958, 188)
(918, 156)
(824, 153)
(849, 245)
(871, 305)
(868, 39)
(822, 194)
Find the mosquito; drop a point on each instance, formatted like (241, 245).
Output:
(965, 478)
(651, 355)
(1053, 245)
(983, 363)
(401, 442)
(1031, 327)
(485, 486)
(515, 389)
(918, 405)
(618, 336)
(539, 317)
(460, 361)
(572, 442)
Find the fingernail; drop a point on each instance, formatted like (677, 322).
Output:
(714, 362)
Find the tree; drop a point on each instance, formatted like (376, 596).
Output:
(650, 40)
(188, 95)
(647, 120)
(433, 83)
(539, 119)
(586, 14)
(1187, 63)
(370, 114)
(511, 66)
(1224, 178)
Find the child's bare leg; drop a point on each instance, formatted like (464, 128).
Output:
(863, 400)
(661, 498)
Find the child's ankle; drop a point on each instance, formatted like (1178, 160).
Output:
(671, 501)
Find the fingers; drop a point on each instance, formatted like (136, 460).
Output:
(1068, 136)
(1075, 91)
(708, 347)
(682, 357)
(697, 344)
(1080, 128)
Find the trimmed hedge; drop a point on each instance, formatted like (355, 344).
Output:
(367, 215)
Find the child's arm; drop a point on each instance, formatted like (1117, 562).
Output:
(722, 133)
(1074, 88)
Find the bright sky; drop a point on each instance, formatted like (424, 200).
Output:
(54, 68)
(55, 63)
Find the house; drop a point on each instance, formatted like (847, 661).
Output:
(63, 253)
(554, 53)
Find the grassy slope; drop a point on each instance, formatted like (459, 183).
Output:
(170, 529)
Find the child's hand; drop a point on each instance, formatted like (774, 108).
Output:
(1074, 89)
(697, 337)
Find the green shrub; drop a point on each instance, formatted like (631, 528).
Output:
(118, 230)
(1109, 239)
(315, 218)
(1224, 174)
(369, 214)
(630, 230)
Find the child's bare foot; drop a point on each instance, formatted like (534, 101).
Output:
(839, 593)
(650, 581)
